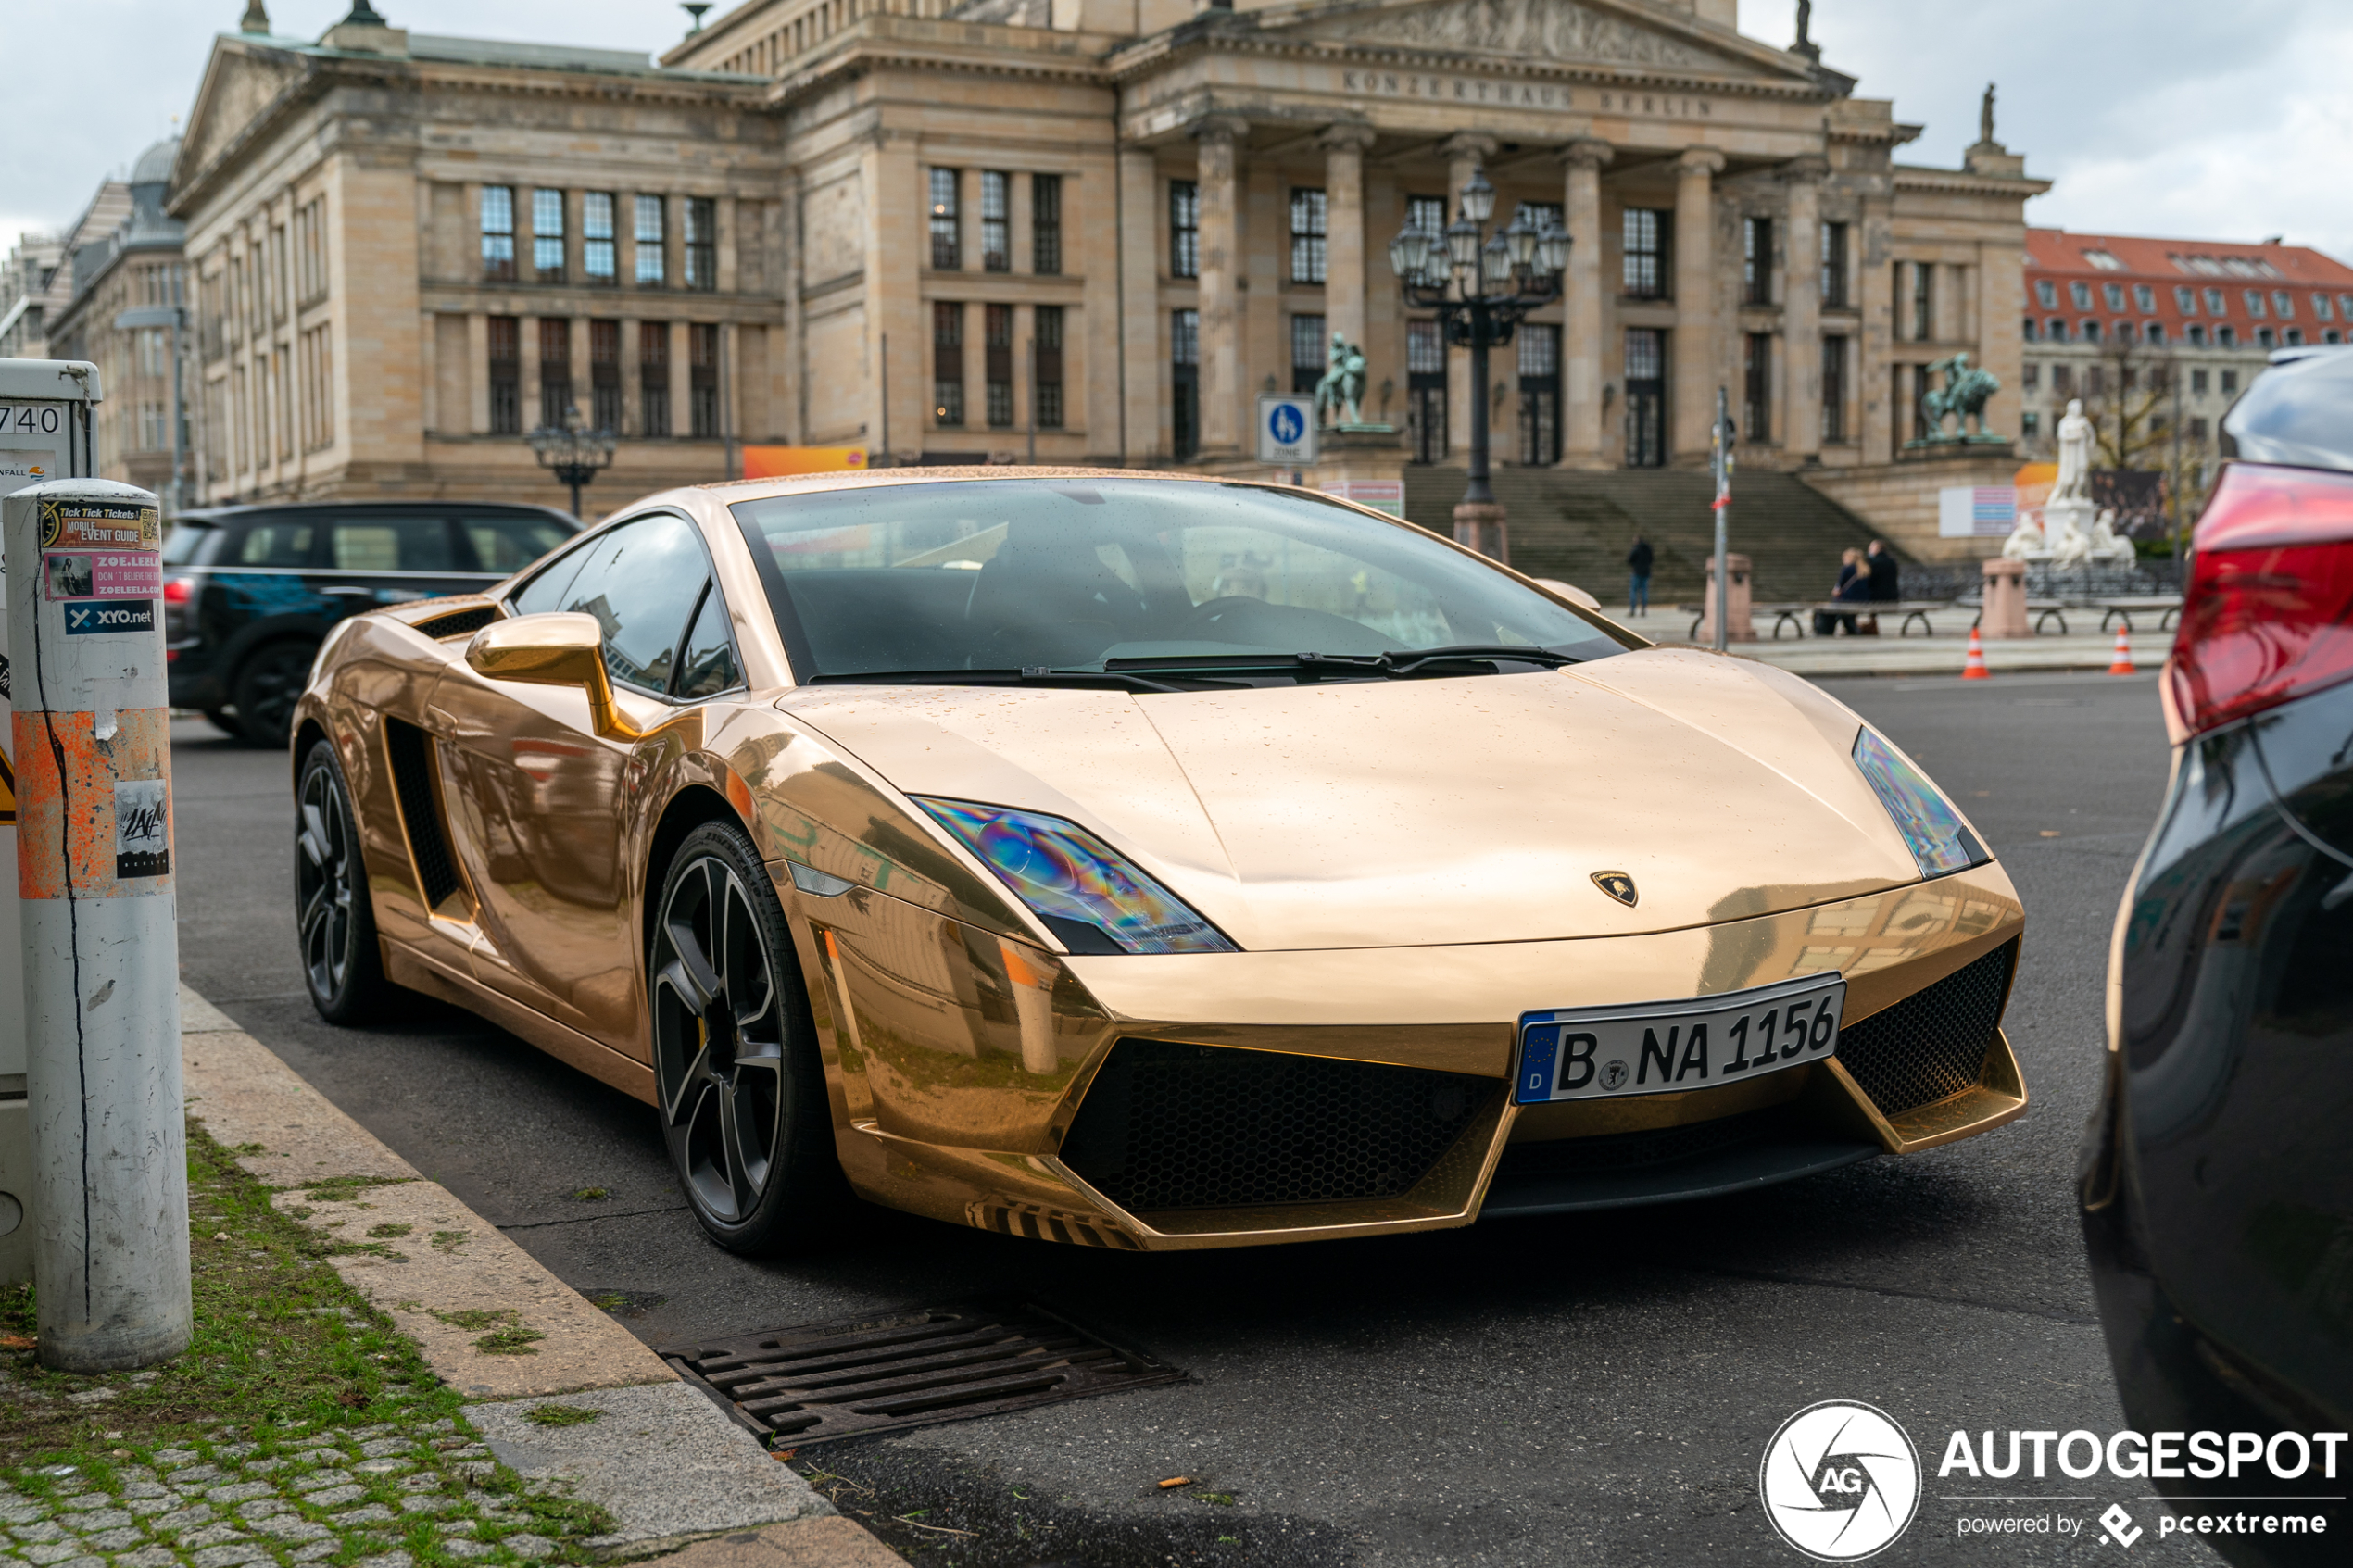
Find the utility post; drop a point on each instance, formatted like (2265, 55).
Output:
(100, 940)
(1721, 461)
(45, 436)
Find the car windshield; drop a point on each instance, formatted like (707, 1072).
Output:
(1149, 583)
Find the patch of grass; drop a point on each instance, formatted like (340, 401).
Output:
(388, 1230)
(1223, 1500)
(284, 1349)
(345, 1189)
(610, 1301)
(509, 1342)
(473, 1318)
(591, 1195)
(448, 1241)
(562, 1415)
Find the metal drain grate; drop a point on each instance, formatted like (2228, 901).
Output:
(915, 1368)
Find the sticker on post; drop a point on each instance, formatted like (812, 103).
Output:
(86, 525)
(93, 617)
(142, 835)
(110, 574)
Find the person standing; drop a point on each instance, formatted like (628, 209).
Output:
(1638, 567)
(1886, 580)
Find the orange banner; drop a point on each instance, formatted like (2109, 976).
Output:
(781, 463)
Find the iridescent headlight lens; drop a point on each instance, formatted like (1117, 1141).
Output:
(1940, 841)
(1087, 895)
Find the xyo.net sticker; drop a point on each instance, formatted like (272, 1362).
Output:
(141, 837)
(1840, 1481)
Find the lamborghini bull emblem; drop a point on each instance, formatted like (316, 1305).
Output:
(1618, 885)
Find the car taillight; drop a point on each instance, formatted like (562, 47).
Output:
(2269, 612)
(178, 590)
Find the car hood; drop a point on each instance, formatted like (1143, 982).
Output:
(1421, 813)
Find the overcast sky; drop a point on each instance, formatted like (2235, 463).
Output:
(2153, 116)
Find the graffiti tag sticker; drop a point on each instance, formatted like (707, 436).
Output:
(142, 835)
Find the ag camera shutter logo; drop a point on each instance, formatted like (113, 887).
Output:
(1840, 1481)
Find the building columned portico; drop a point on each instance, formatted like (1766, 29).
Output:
(930, 226)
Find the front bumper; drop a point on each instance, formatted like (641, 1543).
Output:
(960, 1061)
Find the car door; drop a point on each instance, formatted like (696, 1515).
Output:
(536, 796)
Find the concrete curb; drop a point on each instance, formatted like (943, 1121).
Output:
(494, 1324)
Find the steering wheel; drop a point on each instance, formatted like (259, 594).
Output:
(1210, 609)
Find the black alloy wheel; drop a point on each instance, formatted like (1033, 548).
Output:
(741, 1089)
(267, 686)
(342, 967)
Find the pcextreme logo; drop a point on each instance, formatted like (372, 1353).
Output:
(1840, 1481)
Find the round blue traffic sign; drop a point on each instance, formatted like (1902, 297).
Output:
(1286, 424)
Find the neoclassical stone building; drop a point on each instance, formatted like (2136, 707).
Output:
(922, 226)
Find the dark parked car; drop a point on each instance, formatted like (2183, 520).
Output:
(2216, 1181)
(249, 591)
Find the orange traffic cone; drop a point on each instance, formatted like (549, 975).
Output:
(1973, 667)
(2123, 664)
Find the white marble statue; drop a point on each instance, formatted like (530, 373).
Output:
(2026, 541)
(2070, 545)
(2107, 544)
(2074, 482)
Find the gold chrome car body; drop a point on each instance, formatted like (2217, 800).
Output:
(1406, 867)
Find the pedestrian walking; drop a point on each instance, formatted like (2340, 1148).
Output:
(1638, 567)
(1887, 582)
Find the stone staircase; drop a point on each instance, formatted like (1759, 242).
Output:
(1578, 527)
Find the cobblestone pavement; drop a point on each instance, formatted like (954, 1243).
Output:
(390, 1495)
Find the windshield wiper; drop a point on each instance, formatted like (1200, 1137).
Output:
(1411, 659)
(1024, 676)
(1192, 663)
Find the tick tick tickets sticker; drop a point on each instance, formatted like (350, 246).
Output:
(88, 524)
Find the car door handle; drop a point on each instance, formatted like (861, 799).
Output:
(350, 593)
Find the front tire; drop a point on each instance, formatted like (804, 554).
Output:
(342, 966)
(741, 1087)
(267, 686)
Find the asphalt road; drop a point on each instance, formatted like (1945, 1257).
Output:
(1566, 1390)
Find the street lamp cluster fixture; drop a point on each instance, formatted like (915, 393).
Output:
(1481, 287)
(572, 452)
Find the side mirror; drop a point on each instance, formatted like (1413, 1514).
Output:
(561, 648)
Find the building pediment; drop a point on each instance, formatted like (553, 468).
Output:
(243, 79)
(1606, 32)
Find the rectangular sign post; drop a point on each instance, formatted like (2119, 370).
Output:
(45, 434)
(1286, 430)
(92, 747)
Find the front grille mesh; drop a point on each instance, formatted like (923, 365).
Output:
(1168, 1126)
(411, 755)
(1932, 1045)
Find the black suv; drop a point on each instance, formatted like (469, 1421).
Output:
(249, 591)
(2217, 1173)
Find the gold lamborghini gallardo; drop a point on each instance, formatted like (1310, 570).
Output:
(1143, 862)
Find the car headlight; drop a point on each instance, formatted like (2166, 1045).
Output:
(1940, 841)
(1084, 892)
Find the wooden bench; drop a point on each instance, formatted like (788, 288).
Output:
(1796, 614)
(2165, 606)
(2041, 609)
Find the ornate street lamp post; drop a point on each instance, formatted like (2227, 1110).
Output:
(1480, 288)
(572, 452)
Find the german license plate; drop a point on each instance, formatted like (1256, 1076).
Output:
(1668, 1047)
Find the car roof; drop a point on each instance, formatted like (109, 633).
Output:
(209, 517)
(2299, 412)
(729, 491)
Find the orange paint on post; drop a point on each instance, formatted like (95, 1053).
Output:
(71, 822)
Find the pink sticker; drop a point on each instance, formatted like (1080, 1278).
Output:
(106, 574)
